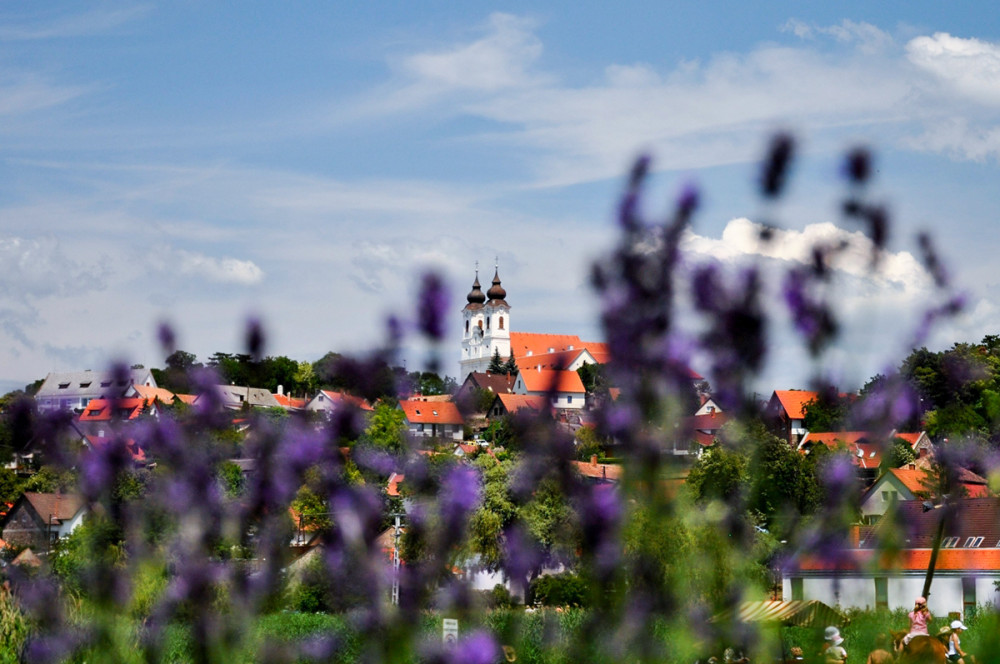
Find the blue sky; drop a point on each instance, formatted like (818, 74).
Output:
(200, 163)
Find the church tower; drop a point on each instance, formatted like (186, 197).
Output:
(486, 326)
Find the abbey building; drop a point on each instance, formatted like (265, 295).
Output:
(486, 321)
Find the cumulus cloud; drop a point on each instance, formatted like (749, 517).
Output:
(970, 66)
(222, 270)
(193, 265)
(741, 238)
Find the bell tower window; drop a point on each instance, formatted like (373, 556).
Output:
(501, 322)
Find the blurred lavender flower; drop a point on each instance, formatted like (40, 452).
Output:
(479, 647)
(433, 307)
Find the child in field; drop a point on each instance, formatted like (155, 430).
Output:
(834, 653)
(920, 618)
(955, 652)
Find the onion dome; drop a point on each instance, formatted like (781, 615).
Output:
(475, 296)
(496, 293)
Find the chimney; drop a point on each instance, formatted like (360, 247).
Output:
(593, 459)
(281, 390)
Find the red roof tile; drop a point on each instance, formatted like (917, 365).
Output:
(546, 379)
(792, 401)
(515, 402)
(437, 412)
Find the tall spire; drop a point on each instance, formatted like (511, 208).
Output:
(496, 293)
(476, 296)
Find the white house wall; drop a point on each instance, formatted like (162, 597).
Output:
(859, 591)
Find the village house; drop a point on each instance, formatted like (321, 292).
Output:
(38, 519)
(326, 401)
(564, 388)
(73, 391)
(432, 419)
(866, 575)
(785, 410)
(912, 482)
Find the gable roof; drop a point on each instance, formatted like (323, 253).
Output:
(431, 412)
(290, 403)
(151, 393)
(57, 506)
(792, 401)
(77, 384)
(512, 403)
(497, 383)
(334, 399)
(864, 452)
(103, 410)
(543, 380)
(527, 344)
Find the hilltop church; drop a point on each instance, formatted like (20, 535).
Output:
(487, 331)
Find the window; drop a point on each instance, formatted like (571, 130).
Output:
(973, 542)
(569, 398)
(950, 542)
(881, 593)
(85, 385)
(466, 327)
(501, 322)
(63, 386)
(968, 594)
(105, 383)
(797, 594)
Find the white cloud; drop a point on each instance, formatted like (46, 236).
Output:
(498, 61)
(221, 270)
(897, 271)
(970, 66)
(33, 268)
(869, 38)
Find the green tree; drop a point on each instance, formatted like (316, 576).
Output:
(510, 366)
(776, 479)
(592, 377)
(897, 455)
(495, 513)
(386, 429)
(826, 413)
(231, 478)
(719, 473)
(496, 363)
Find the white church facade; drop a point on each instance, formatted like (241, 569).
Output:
(486, 327)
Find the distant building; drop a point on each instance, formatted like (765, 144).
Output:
(486, 322)
(73, 391)
(39, 519)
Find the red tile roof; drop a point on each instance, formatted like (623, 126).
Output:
(150, 393)
(515, 402)
(431, 412)
(101, 410)
(543, 380)
(290, 403)
(526, 344)
(137, 453)
(864, 453)
(792, 401)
